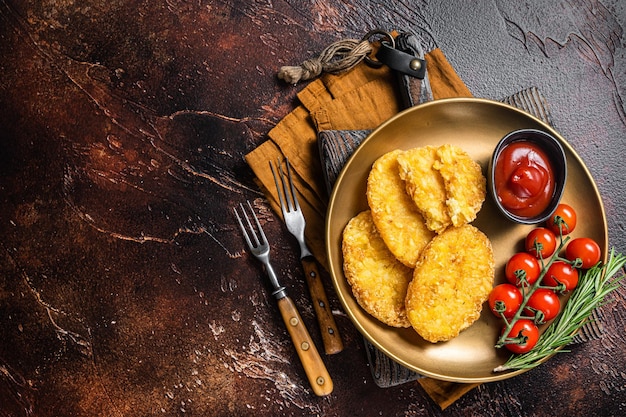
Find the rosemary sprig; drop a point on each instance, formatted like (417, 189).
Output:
(593, 286)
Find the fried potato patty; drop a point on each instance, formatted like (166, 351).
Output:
(378, 280)
(425, 185)
(451, 281)
(445, 183)
(397, 219)
(464, 182)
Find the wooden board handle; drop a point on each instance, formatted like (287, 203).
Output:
(314, 367)
(330, 333)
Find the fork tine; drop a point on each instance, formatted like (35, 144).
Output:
(284, 186)
(241, 226)
(280, 186)
(244, 230)
(288, 206)
(294, 195)
(258, 226)
(245, 214)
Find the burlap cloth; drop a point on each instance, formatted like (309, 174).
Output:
(360, 99)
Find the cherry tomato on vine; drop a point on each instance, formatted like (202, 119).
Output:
(565, 216)
(561, 273)
(527, 332)
(584, 248)
(505, 299)
(522, 261)
(545, 301)
(540, 242)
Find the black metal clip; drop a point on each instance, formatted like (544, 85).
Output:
(401, 58)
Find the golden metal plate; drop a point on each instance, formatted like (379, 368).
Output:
(476, 125)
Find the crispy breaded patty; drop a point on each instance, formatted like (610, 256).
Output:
(451, 281)
(464, 182)
(445, 183)
(397, 219)
(378, 280)
(425, 185)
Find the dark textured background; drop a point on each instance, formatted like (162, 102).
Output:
(123, 125)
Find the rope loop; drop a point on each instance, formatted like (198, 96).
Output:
(337, 57)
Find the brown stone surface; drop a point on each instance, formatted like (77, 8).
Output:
(124, 289)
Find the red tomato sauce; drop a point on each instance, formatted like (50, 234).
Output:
(524, 179)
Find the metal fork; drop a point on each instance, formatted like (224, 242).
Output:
(296, 224)
(314, 367)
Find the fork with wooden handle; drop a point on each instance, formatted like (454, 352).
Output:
(294, 219)
(314, 367)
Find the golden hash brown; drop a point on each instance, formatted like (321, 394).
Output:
(464, 182)
(425, 185)
(451, 281)
(378, 280)
(397, 219)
